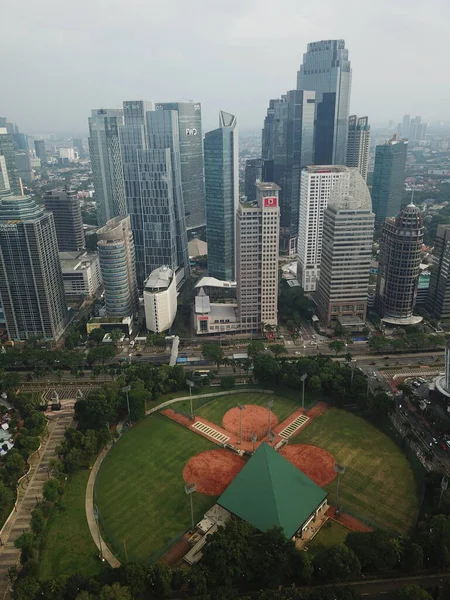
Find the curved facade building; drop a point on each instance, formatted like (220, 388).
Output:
(398, 270)
(117, 260)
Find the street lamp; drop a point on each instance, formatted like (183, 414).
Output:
(241, 408)
(190, 385)
(189, 489)
(126, 389)
(303, 379)
(269, 407)
(340, 470)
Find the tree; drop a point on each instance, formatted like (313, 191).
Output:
(337, 563)
(412, 557)
(116, 335)
(348, 357)
(14, 465)
(115, 592)
(27, 588)
(412, 592)
(374, 550)
(277, 349)
(132, 575)
(382, 405)
(213, 351)
(255, 347)
(25, 544)
(159, 580)
(101, 354)
(266, 368)
(314, 383)
(378, 343)
(337, 346)
(51, 490)
(97, 335)
(227, 383)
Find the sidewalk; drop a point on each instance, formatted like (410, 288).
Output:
(29, 492)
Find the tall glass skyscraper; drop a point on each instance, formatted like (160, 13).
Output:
(106, 161)
(288, 142)
(388, 182)
(222, 196)
(152, 174)
(7, 151)
(326, 70)
(358, 144)
(191, 158)
(31, 281)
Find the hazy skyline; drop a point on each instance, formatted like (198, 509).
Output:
(62, 60)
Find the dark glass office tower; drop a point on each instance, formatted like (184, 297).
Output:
(31, 282)
(288, 146)
(41, 152)
(388, 182)
(254, 169)
(191, 159)
(438, 303)
(222, 196)
(326, 70)
(152, 174)
(7, 150)
(66, 209)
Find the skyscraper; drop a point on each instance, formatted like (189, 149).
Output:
(258, 230)
(23, 166)
(348, 225)
(117, 265)
(7, 150)
(358, 144)
(388, 183)
(41, 152)
(104, 148)
(326, 70)
(288, 143)
(438, 303)
(254, 169)
(222, 196)
(315, 189)
(152, 173)
(398, 267)
(31, 282)
(191, 159)
(66, 209)
(4, 179)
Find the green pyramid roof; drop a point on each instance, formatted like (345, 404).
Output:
(269, 491)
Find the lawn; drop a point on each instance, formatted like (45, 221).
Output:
(378, 485)
(331, 534)
(215, 410)
(67, 546)
(140, 487)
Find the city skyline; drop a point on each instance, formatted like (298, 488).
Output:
(186, 54)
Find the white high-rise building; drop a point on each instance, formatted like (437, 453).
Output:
(258, 232)
(315, 189)
(346, 251)
(160, 299)
(358, 144)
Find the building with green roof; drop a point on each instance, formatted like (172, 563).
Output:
(271, 492)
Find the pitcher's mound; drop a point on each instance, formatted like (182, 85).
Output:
(315, 462)
(255, 420)
(212, 471)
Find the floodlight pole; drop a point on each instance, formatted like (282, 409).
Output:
(254, 440)
(190, 385)
(339, 470)
(126, 389)
(303, 379)
(241, 407)
(189, 489)
(269, 406)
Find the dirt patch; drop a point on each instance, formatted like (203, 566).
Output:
(255, 419)
(317, 410)
(348, 521)
(315, 462)
(213, 471)
(176, 552)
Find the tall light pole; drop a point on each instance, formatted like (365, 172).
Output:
(190, 385)
(241, 408)
(96, 516)
(189, 489)
(254, 438)
(126, 389)
(340, 470)
(269, 407)
(444, 486)
(303, 379)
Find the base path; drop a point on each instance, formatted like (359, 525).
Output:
(254, 419)
(212, 471)
(315, 462)
(348, 521)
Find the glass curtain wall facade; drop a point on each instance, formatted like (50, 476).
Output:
(438, 303)
(7, 150)
(191, 159)
(104, 149)
(326, 70)
(222, 196)
(358, 144)
(31, 281)
(66, 210)
(388, 182)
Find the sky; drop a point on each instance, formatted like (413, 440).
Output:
(58, 60)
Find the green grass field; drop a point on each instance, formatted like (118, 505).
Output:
(140, 487)
(331, 534)
(215, 410)
(378, 486)
(67, 547)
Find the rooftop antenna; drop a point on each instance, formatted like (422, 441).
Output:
(412, 195)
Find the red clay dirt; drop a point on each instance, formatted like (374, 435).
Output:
(176, 552)
(315, 462)
(255, 419)
(212, 471)
(348, 521)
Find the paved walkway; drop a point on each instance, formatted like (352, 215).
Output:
(29, 492)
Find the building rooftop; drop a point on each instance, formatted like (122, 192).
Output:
(202, 303)
(327, 169)
(197, 247)
(159, 279)
(351, 194)
(264, 186)
(77, 260)
(270, 491)
(213, 282)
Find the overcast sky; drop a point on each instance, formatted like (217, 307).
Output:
(60, 59)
